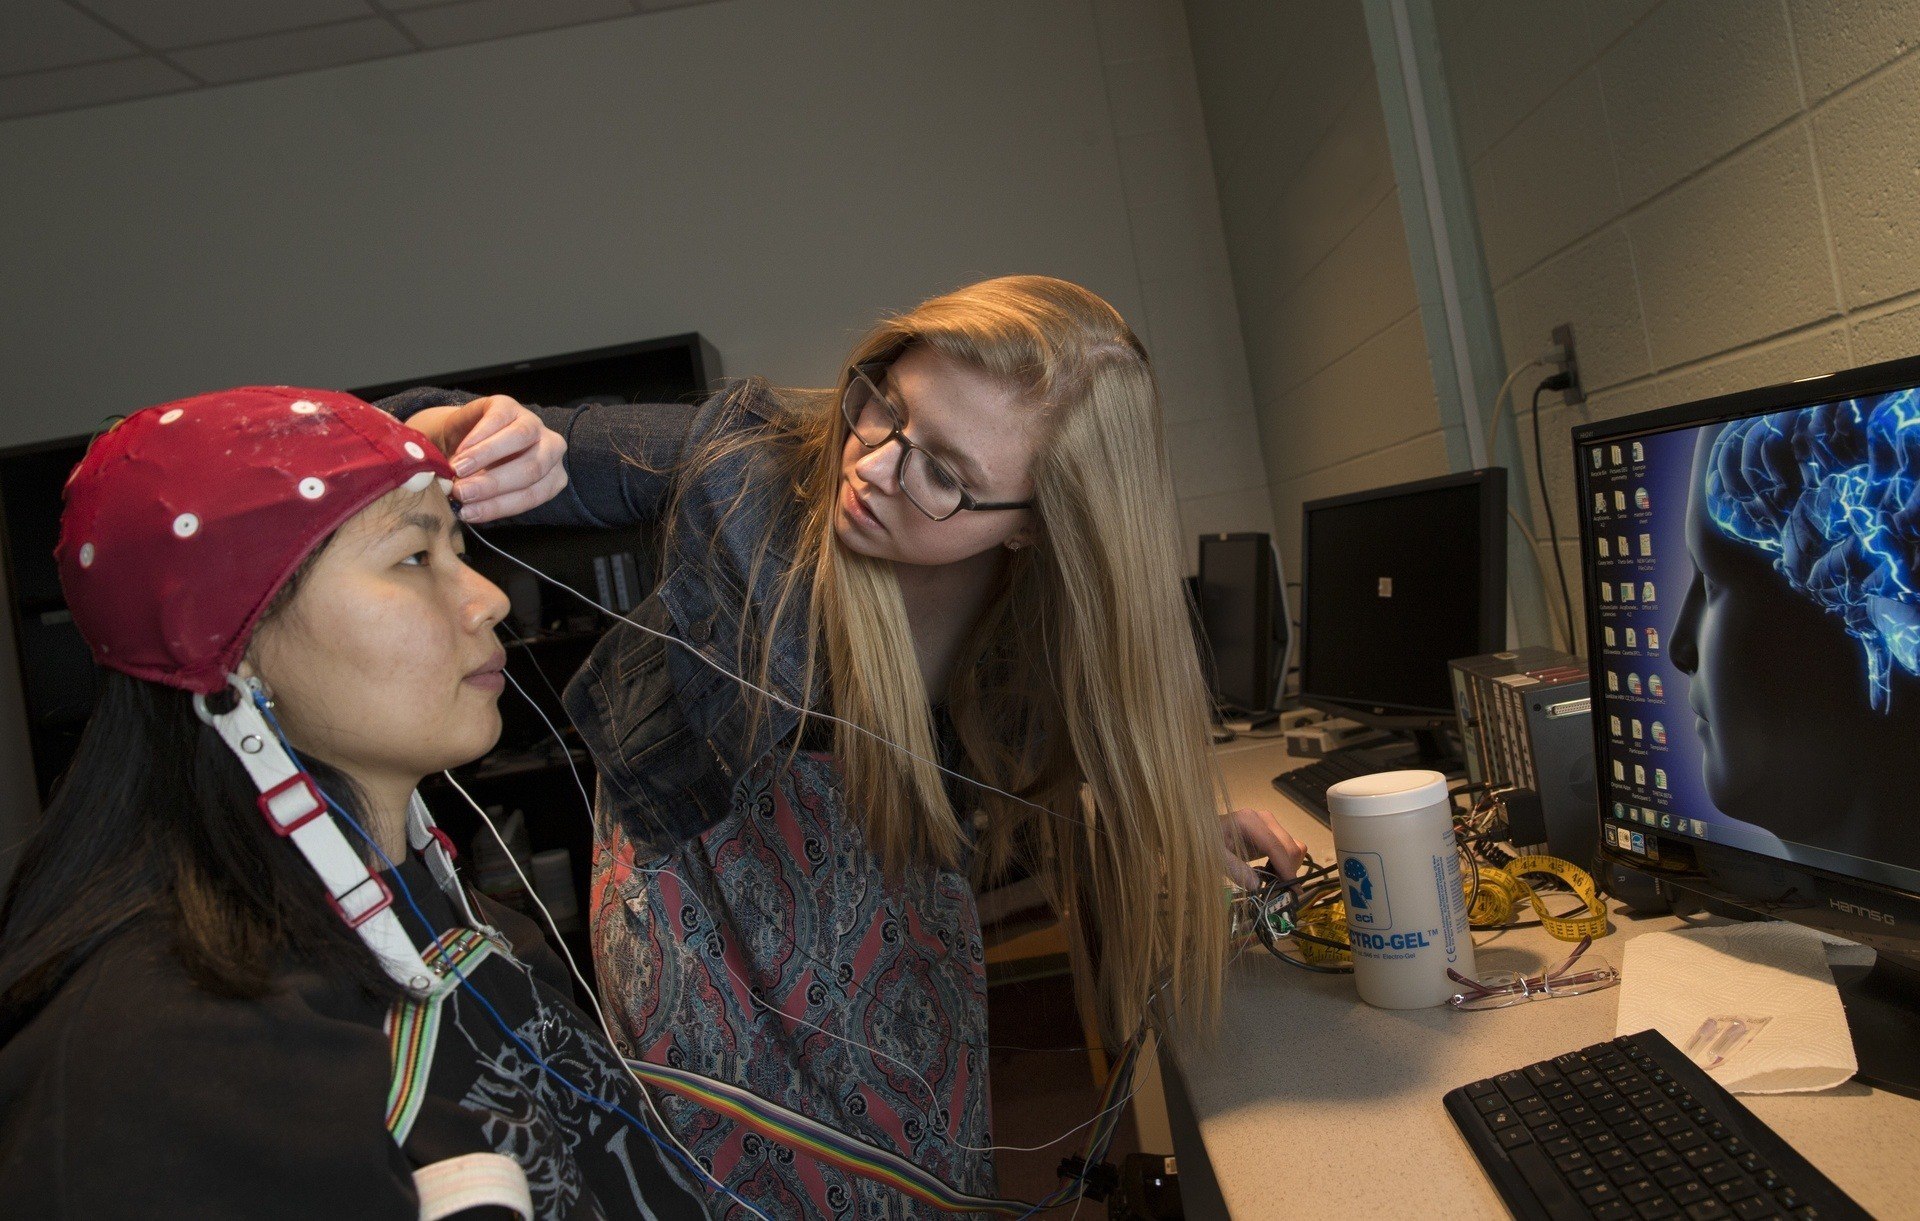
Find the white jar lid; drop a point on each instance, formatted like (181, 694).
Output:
(1387, 793)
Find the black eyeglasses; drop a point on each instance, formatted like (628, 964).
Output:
(929, 483)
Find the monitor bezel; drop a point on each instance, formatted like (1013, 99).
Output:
(1272, 598)
(1874, 913)
(1492, 481)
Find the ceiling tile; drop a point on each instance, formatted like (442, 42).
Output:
(38, 34)
(183, 23)
(70, 88)
(479, 19)
(326, 46)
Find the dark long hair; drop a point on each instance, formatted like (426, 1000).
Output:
(155, 818)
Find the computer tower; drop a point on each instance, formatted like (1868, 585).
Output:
(1526, 724)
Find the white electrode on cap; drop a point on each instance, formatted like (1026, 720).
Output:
(1400, 875)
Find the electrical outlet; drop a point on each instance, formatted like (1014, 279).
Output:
(1563, 336)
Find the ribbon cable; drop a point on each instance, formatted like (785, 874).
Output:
(855, 1156)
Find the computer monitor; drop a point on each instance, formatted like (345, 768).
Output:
(1752, 568)
(1247, 639)
(1395, 583)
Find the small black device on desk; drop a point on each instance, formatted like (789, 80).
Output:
(1633, 1129)
(1307, 786)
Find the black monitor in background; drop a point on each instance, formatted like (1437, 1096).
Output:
(1245, 633)
(1750, 566)
(1395, 583)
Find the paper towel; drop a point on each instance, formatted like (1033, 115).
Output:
(1675, 981)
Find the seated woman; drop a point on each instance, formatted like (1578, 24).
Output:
(210, 1005)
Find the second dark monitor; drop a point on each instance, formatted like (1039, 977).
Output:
(1397, 582)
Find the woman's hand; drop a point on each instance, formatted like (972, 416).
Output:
(504, 459)
(1259, 834)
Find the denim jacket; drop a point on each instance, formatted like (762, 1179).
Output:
(668, 731)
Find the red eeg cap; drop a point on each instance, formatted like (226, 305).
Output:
(182, 522)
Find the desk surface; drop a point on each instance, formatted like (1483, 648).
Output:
(1311, 1097)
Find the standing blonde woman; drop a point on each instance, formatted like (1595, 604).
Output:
(969, 548)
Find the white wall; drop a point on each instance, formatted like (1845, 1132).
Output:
(1342, 389)
(1718, 194)
(771, 174)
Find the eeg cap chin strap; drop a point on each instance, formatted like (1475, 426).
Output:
(296, 810)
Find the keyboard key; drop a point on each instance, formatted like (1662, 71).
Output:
(1540, 1074)
(1599, 1193)
(1487, 1103)
(1686, 1140)
(1562, 1145)
(1702, 1156)
(1480, 1089)
(1672, 1125)
(1610, 1158)
(1708, 1210)
(1753, 1208)
(1577, 1113)
(1582, 1077)
(1601, 1143)
(1640, 1146)
(1552, 1131)
(1588, 1127)
(1687, 1194)
(1673, 1176)
(1658, 1111)
(1654, 1210)
(1736, 1189)
(1736, 1147)
(1614, 1210)
(1513, 1137)
(1718, 1172)
(1660, 1159)
(1572, 1161)
(1631, 1129)
(1502, 1118)
(1718, 1131)
(1629, 1173)
(1540, 1117)
(1641, 1190)
(1514, 1085)
(1584, 1177)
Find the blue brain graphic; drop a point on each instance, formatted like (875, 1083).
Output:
(1833, 493)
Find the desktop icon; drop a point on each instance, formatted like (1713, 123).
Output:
(1606, 591)
(1620, 502)
(1639, 452)
(1653, 640)
(1614, 724)
(1626, 591)
(1619, 773)
(1639, 843)
(1659, 733)
(1600, 502)
(1656, 687)
(1633, 683)
(1640, 774)
(1659, 777)
(1604, 552)
(1646, 544)
(1616, 455)
(1633, 639)
(1666, 822)
(1613, 681)
(1637, 730)
(1641, 500)
(1607, 634)
(1620, 543)
(1619, 809)
(1646, 591)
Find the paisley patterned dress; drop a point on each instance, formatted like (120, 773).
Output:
(773, 952)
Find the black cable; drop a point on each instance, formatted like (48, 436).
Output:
(1546, 501)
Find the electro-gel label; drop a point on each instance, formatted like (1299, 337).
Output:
(1365, 879)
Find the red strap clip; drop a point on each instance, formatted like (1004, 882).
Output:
(379, 905)
(446, 843)
(288, 823)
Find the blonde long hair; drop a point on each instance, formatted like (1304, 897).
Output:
(1082, 669)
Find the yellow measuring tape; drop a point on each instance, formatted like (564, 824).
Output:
(1499, 897)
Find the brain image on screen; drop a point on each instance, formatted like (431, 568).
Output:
(1833, 493)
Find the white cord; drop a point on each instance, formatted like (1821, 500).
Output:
(560, 943)
(775, 696)
(1499, 396)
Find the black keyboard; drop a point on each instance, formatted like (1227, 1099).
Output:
(1633, 1129)
(1308, 785)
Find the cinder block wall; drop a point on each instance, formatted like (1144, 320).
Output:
(1341, 388)
(1718, 194)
